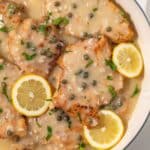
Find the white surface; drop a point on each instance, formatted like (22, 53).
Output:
(143, 4)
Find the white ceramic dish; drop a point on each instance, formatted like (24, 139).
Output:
(142, 108)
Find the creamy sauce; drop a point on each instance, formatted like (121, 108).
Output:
(96, 17)
(35, 8)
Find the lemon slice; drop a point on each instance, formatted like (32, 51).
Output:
(108, 133)
(128, 60)
(31, 95)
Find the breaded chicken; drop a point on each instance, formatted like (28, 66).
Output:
(12, 13)
(54, 130)
(92, 17)
(12, 124)
(88, 80)
(35, 47)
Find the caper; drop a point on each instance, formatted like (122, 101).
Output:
(10, 132)
(16, 138)
(57, 4)
(109, 29)
(94, 82)
(91, 15)
(66, 118)
(85, 75)
(59, 118)
(84, 85)
(70, 15)
(72, 97)
(74, 5)
(64, 81)
(86, 57)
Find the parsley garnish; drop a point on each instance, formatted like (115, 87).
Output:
(95, 9)
(90, 62)
(136, 91)
(29, 57)
(12, 9)
(111, 64)
(42, 28)
(49, 133)
(1, 110)
(1, 66)
(67, 51)
(124, 14)
(60, 21)
(4, 29)
(112, 91)
(69, 123)
(49, 100)
(4, 90)
(109, 78)
(82, 146)
(37, 122)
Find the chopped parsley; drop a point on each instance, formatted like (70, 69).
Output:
(4, 90)
(49, 133)
(12, 9)
(50, 113)
(112, 91)
(42, 28)
(69, 123)
(124, 14)
(37, 123)
(1, 110)
(1, 66)
(29, 57)
(109, 78)
(111, 64)
(4, 29)
(82, 146)
(95, 9)
(136, 91)
(60, 21)
(49, 100)
(67, 51)
(89, 63)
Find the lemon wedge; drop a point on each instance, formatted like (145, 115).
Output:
(31, 95)
(128, 60)
(108, 133)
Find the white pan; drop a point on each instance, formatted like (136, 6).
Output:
(142, 109)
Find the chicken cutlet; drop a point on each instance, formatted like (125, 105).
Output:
(88, 18)
(12, 124)
(89, 79)
(35, 47)
(11, 15)
(53, 130)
